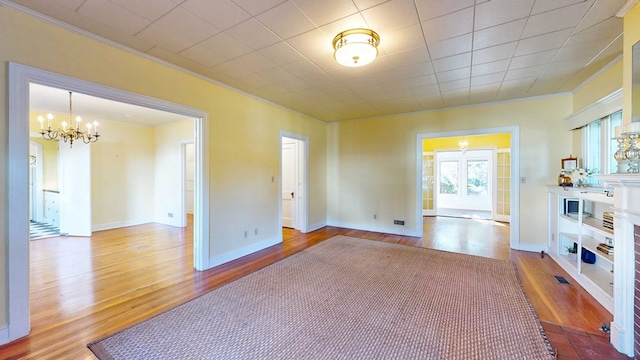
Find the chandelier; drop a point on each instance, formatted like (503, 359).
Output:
(356, 47)
(70, 131)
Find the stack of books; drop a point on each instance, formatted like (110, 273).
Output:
(607, 220)
(607, 249)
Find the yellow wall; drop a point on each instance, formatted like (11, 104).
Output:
(373, 166)
(606, 82)
(502, 141)
(243, 133)
(631, 36)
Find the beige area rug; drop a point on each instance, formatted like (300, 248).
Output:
(349, 298)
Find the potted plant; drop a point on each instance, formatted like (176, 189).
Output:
(572, 252)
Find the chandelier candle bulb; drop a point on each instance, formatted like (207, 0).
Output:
(41, 120)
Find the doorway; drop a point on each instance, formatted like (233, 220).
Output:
(464, 183)
(293, 181)
(505, 193)
(20, 78)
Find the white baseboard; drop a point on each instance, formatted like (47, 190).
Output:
(531, 248)
(618, 339)
(238, 253)
(316, 226)
(386, 230)
(4, 335)
(116, 225)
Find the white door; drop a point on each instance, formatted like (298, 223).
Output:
(465, 180)
(74, 183)
(288, 176)
(189, 177)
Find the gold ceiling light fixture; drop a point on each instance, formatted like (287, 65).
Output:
(463, 145)
(356, 47)
(70, 131)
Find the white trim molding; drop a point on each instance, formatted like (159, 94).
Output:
(599, 109)
(20, 78)
(244, 251)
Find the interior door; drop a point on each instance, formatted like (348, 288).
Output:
(289, 164)
(74, 183)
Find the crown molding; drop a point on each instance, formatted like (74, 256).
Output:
(626, 7)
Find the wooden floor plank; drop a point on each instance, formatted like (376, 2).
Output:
(83, 289)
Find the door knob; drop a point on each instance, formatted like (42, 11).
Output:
(292, 194)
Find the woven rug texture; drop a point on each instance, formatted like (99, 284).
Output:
(349, 298)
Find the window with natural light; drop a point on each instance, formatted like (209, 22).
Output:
(599, 145)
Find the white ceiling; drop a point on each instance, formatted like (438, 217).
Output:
(433, 53)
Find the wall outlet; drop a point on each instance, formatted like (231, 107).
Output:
(246, 234)
(398, 222)
(255, 231)
(375, 216)
(170, 215)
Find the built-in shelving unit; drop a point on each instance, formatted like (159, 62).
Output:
(575, 220)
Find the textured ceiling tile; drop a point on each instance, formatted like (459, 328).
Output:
(494, 53)
(498, 35)
(286, 20)
(498, 12)
(429, 9)
(449, 26)
(253, 34)
(350, 22)
(450, 47)
(539, 58)
(567, 17)
(281, 53)
(408, 57)
(603, 32)
(454, 85)
(391, 15)
(451, 75)
(421, 81)
(548, 5)
(326, 11)
(177, 30)
(491, 67)
(401, 40)
(254, 7)
(142, 8)
(542, 42)
(365, 4)
(601, 11)
(581, 50)
(414, 70)
(523, 73)
(222, 14)
(114, 15)
(453, 62)
(276, 74)
(255, 80)
(233, 48)
(204, 55)
(487, 79)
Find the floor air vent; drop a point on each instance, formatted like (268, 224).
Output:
(561, 279)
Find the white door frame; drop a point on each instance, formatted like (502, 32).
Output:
(302, 199)
(20, 76)
(514, 131)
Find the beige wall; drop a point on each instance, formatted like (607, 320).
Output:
(168, 171)
(49, 163)
(243, 134)
(122, 175)
(373, 162)
(603, 84)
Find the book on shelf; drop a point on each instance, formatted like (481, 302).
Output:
(604, 248)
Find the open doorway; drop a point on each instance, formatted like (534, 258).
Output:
(20, 79)
(445, 161)
(293, 181)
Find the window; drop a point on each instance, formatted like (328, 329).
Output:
(448, 177)
(477, 177)
(599, 145)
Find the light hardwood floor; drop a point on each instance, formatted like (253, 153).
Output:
(83, 289)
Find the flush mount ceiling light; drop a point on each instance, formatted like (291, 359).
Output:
(356, 47)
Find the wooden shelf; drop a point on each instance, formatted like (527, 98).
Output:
(599, 276)
(595, 224)
(591, 244)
